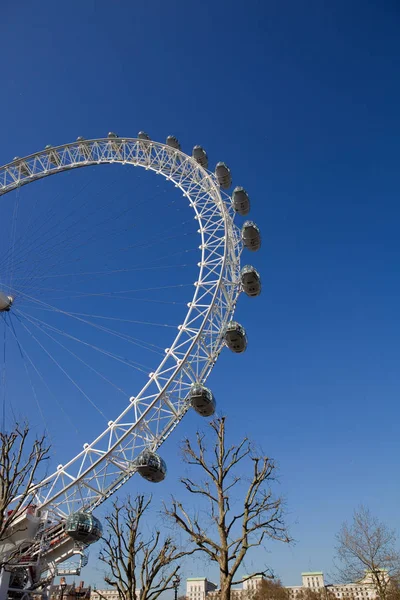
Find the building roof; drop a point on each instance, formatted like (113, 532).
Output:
(313, 573)
(196, 578)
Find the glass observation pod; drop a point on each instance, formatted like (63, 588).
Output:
(235, 337)
(200, 156)
(250, 280)
(5, 302)
(251, 236)
(53, 155)
(241, 201)
(142, 135)
(223, 175)
(83, 527)
(173, 142)
(112, 135)
(151, 466)
(202, 400)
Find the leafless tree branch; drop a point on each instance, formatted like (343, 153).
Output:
(261, 517)
(366, 547)
(137, 565)
(20, 464)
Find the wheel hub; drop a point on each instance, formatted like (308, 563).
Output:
(5, 302)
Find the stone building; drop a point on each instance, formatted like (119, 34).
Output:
(361, 590)
(69, 591)
(197, 588)
(107, 594)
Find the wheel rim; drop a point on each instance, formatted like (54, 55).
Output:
(107, 463)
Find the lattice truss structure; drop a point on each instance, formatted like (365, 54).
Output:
(151, 415)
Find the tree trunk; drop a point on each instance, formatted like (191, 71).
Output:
(225, 583)
(380, 588)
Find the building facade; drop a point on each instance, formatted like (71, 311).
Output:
(313, 580)
(107, 594)
(198, 588)
(69, 591)
(362, 590)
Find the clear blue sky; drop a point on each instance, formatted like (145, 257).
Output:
(302, 100)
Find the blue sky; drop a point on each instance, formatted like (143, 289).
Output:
(302, 101)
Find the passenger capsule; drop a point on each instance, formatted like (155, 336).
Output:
(202, 400)
(235, 337)
(241, 201)
(151, 466)
(173, 142)
(80, 139)
(223, 174)
(112, 135)
(142, 135)
(200, 156)
(83, 527)
(5, 302)
(250, 280)
(251, 236)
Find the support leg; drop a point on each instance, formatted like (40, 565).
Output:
(4, 584)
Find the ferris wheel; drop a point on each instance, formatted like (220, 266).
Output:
(129, 443)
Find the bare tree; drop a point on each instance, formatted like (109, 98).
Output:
(274, 590)
(366, 548)
(393, 593)
(230, 534)
(268, 589)
(20, 463)
(315, 594)
(138, 567)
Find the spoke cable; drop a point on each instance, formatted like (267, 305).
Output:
(39, 374)
(47, 430)
(136, 341)
(113, 217)
(121, 359)
(44, 222)
(62, 369)
(75, 355)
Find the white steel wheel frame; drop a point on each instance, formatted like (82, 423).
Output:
(104, 465)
